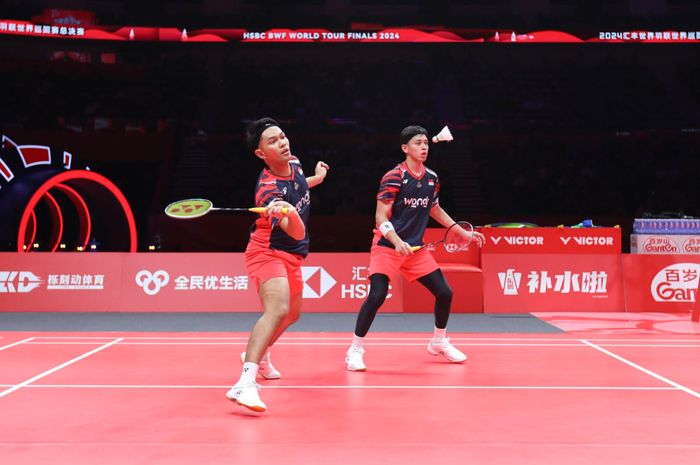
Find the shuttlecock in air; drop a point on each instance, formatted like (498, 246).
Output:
(443, 136)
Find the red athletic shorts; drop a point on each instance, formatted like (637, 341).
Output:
(389, 262)
(264, 264)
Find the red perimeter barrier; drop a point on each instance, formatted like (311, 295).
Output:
(338, 282)
(215, 282)
(661, 283)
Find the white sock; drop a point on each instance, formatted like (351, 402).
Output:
(439, 334)
(357, 341)
(250, 371)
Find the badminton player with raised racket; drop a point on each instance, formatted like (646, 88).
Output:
(408, 197)
(279, 241)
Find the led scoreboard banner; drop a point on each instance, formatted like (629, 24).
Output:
(24, 28)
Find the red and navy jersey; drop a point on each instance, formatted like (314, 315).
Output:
(413, 196)
(265, 232)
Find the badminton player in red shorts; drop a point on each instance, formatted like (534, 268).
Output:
(408, 197)
(279, 241)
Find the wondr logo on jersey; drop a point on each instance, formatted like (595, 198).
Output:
(415, 203)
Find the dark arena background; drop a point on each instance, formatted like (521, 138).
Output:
(576, 152)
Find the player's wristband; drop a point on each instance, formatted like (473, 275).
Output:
(385, 227)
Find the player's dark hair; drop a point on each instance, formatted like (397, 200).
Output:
(409, 132)
(255, 130)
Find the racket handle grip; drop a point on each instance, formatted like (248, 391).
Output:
(262, 210)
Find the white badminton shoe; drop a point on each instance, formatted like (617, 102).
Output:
(265, 367)
(247, 395)
(443, 346)
(353, 358)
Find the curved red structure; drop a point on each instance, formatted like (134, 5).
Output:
(32, 227)
(82, 176)
(56, 220)
(82, 210)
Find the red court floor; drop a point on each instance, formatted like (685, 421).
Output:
(158, 398)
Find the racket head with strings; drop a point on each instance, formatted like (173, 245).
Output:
(458, 237)
(195, 208)
(188, 209)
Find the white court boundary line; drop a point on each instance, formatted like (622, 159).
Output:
(307, 344)
(348, 338)
(59, 367)
(343, 386)
(343, 343)
(395, 444)
(17, 343)
(642, 369)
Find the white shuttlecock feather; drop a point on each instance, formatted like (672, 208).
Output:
(443, 136)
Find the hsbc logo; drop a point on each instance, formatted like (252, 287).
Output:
(317, 282)
(152, 283)
(518, 240)
(19, 282)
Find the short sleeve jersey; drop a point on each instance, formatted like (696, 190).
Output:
(265, 232)
(413, 196)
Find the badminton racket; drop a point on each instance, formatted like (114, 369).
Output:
(457, 238)
(195, 208)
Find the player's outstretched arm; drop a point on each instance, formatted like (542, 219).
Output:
(320, 174)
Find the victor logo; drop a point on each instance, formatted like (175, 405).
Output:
(519, 240)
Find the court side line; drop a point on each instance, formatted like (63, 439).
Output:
(642, 369)
(59, 367)
(562, 343)
(16, 343)
(383, 338)
(363, 444)
(572, 343)
(344, 386)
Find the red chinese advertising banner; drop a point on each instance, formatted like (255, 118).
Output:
(552, 269)
(162, 282)
(553, 282)
(661, 283)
